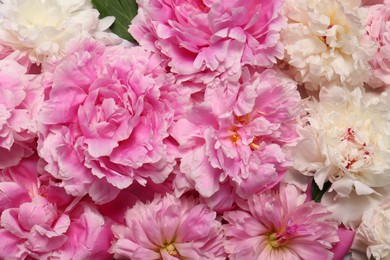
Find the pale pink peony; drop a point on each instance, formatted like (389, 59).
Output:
(169, 228)
(105, 125)
(39, 220)
(280, 225)
(211, 36)
(20, 99)
(344, 140)
(41, 29)
(373, 233)
(349, 210)
(378, 28)
(237, 135)
(325, 43)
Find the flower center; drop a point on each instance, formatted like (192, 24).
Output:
(235, 136)
(324, 37)
(171, 249)
(355, 152)
(277, 240)
(240, 122)
(35, 13)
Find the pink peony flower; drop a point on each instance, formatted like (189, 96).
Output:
(280, 225)
(88, 235)
(211, 36)
(105, 125)
(237, 135)
(38, 230)
(34, 229)
(18, 183)
(39, 220)
(377, 27)
(169, 228)
(20, 99)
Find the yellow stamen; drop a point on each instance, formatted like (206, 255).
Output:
(234, 138)
(254, 146)
(171, 249)
(243, 119)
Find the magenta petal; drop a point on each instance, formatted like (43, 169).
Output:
(341, 249)
(9, 244)
(199, 217)
(12, 195)
(13, 156)
(36, 213)
(89, 235)
(102, 193)
(63, 106)
(100, 147)
(9, 221)
(198, 168)
(41, 243)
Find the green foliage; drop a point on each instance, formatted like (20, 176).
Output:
(123, 11)
(316, 193)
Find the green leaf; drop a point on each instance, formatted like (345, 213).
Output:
(123, 11)
(316, 193)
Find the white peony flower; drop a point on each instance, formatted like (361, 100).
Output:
(374, 232)
(349, 210)
(325, 42)
(346, 140)
(42, 28)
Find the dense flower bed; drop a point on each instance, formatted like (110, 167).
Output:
(242, 129)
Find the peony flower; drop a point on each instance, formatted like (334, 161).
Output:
(18, 183)
(169, 228)
(210, 36)
(20, 99)
(349, 210)
(34, 229)
(39, 220)
(38, 230)
(42, 28)
(325, 43)
(377, 27)
(346, 141)
(88, 235)
(280, 225)
(374, 232)
(237, 135)
(105, 125)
